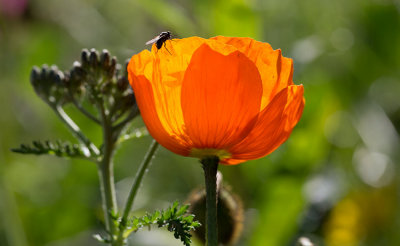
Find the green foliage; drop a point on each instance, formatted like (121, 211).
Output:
(57, 148)
(174, 218)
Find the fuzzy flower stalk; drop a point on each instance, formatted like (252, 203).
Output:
(222, 100)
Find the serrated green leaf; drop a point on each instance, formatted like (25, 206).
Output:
(58, 148)
(173, 218)
(182, 210)
(156, 215)
(188, 219)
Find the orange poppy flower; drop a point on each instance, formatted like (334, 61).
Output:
(228, 97)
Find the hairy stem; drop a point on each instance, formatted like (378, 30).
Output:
(106, 174)
(107, 190)
(135, 187)
(210, 166)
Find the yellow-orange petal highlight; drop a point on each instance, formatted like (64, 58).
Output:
(228, 97)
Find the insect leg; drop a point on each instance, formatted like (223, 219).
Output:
(165, 45)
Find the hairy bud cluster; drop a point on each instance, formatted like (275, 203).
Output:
(97, 77)
(48, 83)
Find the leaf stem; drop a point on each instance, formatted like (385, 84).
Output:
(210, 167)
(82, 109)
(128, 118)
(75, 129)
(135, 187)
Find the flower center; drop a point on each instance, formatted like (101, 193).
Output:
(202, 153)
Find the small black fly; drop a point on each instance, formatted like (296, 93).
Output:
(160, 40)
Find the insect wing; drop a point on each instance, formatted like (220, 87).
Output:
(155, 39)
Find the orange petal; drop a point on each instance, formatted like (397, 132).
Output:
(160, 73)
(165, 71)
(139, 62)
(145, 99)
(221, 97)
(276, 71)
(274, 125)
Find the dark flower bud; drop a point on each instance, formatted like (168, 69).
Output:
(56, 75)
(76, 79)
(105, 59)
(48, 84)
(93, 58)
(53, 68)
(229, 213)
(85, 57)
(38, 75)
(113, 66)
(35, 75)
(43, 72)
(122, 84)
(78, 73)
(126, 68)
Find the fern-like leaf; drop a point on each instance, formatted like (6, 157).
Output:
(175, 218)
(58, 148)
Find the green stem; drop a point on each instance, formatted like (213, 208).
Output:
(82, 109)
(128, 118)
(75, 129)
(107, 190)
(106, 176)
(210, 166)
(135, 187)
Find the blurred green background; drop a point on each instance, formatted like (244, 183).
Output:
(335, 180)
